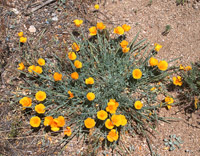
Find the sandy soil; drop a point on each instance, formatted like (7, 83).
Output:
(183, 40)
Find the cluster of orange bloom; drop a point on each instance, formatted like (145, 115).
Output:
(33, 68)
(35, 121)
(115, 120)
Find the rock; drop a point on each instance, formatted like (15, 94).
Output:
(32, 29)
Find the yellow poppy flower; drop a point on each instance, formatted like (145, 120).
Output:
(23, 39)
(153, 62)
(109, 124)
(40, 108)
(90, 96)
(68, 131)
(74, 75)
(40, 96)
(21, 66)
(163, 65)
(112, 135)
(102, 115)
(93, 31)
(177, 81)
(78, 64)
(78, 22)
(48, 120)
(119, 30)
(89, 80)
(125, 50)
(89, 123)
(138, 105)
(137, 74)
(41, 61)
(35, 121)
(96, 6)
(75, 46)
(72, 55)
(26, 102)
(126, 27)
(101, 26)
(20, 34)
(57, 76)
(116, 119)
(123, 43)
(157, 47)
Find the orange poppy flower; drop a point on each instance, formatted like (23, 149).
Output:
(89, 123)
(57, 76)
(35, 121)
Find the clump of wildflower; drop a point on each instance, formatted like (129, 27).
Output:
(25, 102)
(75, 46)
(163, 65)
(21, 66)
(89, 123)
(119, 30)
(138, 105)
(57, 76)
(89, 80)
(35, 121)
(78, 22)
(101, 26)
(40, 96)
(72, 55)
(40, 108)
(41, 61)
(157, 47)
(68, 131)
(93, 31)
(177, 81)
(78, 64)
(102, 115)
(96, 6)
(137, 74)
(112, 106)
(90, 96)
(126, 27)
(74, 75)
(153, 61)
(112, 135)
